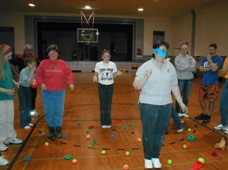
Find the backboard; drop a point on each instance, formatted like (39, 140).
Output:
(87, 35)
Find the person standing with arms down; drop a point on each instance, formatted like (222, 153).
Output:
(223, 104)
(185, 66)
(209, 84)
(156, 79)
(52, 74)
(105, 72)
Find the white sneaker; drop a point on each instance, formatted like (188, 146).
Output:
(13, 141)
(226, 132)
(108, 126)
(156, 162)
(3, 147)
(3, 161)
(27, 127)
(219, 127)
(180, 130)
(103, 126)
(148, 164)
(180, 114)
(30, 124)
(183, 115)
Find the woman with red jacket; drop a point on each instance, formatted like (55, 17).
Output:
(52, 74)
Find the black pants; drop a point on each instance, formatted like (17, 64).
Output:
(34, 94)
(105, 96)
(24, 95)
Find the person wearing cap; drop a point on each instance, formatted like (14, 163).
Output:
(52, 74)
(7, 131)
(105, 72)
(156, 79)
(209, 89)
(19, 63)
(185, 66)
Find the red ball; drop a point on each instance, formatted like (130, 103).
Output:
(34, 83)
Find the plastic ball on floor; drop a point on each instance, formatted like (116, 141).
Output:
(189, 129)
(126, 166)
(191, 138)
(112, 137)
(124, 127)
(88, 137)
(169, 162)
(127, 153)
(103, 152)
(185, 146)
(79, 123)
(46, 144)
(74, 161)
(139, 140)
(214, 153)
(27, 158)
(65, 136)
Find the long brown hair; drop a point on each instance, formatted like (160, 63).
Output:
(4, 49)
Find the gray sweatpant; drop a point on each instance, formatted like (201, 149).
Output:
(7, 120)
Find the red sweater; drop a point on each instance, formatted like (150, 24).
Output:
(54, 74)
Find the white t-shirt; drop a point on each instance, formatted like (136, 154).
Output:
(105, 72)
(157, 89)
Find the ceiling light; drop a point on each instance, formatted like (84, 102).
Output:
(140, 9)
(31, 5)
(87, 7)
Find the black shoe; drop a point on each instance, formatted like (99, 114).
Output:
(51, 132)
(207, 119)
(200, 117)
(59, 132)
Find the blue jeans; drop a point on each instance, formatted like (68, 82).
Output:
(185, 88)
(176, 119)
(25, 102)
(155, 122)
(223, 104)
(53, 102)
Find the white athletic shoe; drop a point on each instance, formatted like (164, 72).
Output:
(183, 115)
(148, 164)
(13, 141)
(3, 161)
(156, 162)
(219, 127)
(27, 127)
(226, 132)
(103, 126)
(180, 130)
(108, 126)
(3, 147)
(31, 124)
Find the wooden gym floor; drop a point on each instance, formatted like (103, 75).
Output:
(82, 105)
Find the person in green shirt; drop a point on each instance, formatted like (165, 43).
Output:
(7, 131)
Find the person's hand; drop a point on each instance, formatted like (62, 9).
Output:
(119, 72)
(9, 92)
(183, 107)
(147, 73)
(94, 78)
(34, 69)
(17, 84)
(43, 86)
(71, 86)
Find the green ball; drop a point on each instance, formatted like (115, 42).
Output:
(189, 129)
(201, 160)
(79, 122)
(46, 144)
(169, 162)
(124, 127)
